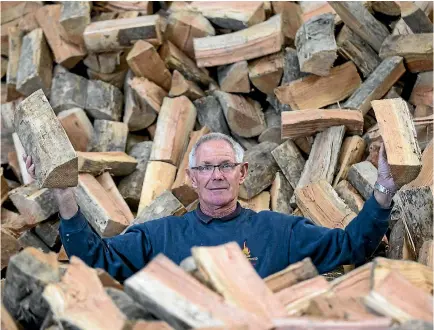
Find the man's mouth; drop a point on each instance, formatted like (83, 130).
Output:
(217, 189)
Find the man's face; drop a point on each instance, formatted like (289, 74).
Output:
(216, 188)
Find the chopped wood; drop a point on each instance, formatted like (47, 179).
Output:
(62, 256)
(350, 196)
(266, 72)
(103, 101)
(426, 253)
(258, 203)
(315, 92)
(46, 142)
(310, 9)
(416, 49)
(74, 17)
(291, 17)
(377, 84)
(4, 187)
(379, 323)
(7, 321)
(48, 232)
(116, 162)
(234, 78)
(415, 18)
(131, 309)
(281, 192)
(352, 151)
(181, 86)
(122, 33)
(144, 61)
(422, 93)
(108, 136)
(389, 8)
(173, 129)
(77, 127)
(290, 161)
(363, 176)
(158, 178)
(105, 62)
(17, 10)
(9, 246)
(256, 41)
(15, 42)
(425, 177)
(143, 7)
(355, 284)
(245, 143)
(30, 239)
(210, 114)
(116, 78)
(35, 64)
(273, 133)
(401, 28)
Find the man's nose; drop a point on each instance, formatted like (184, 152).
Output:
(217, 174)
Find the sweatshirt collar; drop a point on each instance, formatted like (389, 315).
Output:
(207, 218)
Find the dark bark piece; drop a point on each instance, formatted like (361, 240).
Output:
(210, 114)
(115, 162)
(396, 241)
(363, 176)
(290, 161)
(74, 17)
(48, 232)
(281, 193)
(181, 86)
(415, 18)
(291, 67)
(262, 169)
(131, 309)
(9, 247)
(273, 132)
(350, 196)
(103, 101)
(30, 239)
(276, 104)
(108, 136)
(389, 8)
(245, 143)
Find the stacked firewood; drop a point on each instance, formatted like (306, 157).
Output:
(110, 97)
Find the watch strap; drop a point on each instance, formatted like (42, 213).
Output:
(382, 189)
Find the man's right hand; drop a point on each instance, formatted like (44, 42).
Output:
(65, 197)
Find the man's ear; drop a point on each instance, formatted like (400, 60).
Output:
(244, 172)
(192, 177)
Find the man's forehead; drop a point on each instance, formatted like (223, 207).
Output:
(214, 149)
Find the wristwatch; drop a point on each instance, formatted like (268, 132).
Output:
(382, 189)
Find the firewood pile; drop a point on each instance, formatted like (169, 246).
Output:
(110, 97)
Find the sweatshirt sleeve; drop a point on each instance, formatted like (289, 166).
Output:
(121, 256)
(330, 248)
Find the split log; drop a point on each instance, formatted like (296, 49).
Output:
(363, 176)
(119, 34)
(143, 7)
(103, 101)
(291, 275)
(388, 8)
(183, 27)
(166, 204)
(98, 207)
(310, 121)
(291, 67)
(77, 127)
(108, 136)
(262, 170)
(258, 203)
(130, 187)
(105, 63)
(175, 59)
(182, 188)
(74, 17)
(144, 61)
(377, 84)
(15, 42)
(116, 78)
(424, 130)
(256, 41)
(35, 64)
(210, 114)
(291, 17)
(24, 177)
(17, 10)
(415, 18)
(355, 284)
(290, 161)
(352, 151)
(159, 177)
(65, 53)
(245, 143)
(4, 187)
(243, 115)
(416, 49)
(358, 19)
(54, 157)
(48, 232)
(29, 272)
(426, 253)
(320, 203)
(425, 178)
(355, 49)
(311, 9)
(234, 78)
(401, 28)
(316, 45)
(9, 246)
(29, 239)
(131, 309)
(134, 139)
(281, 192)
(266, 72)
(398, 239)
(398, 132)
(422, 93)
(276, 104)
(273, 132)
(350, 196)
(173, 128)
(181, 86)
(316, 92)
(151, 130)
(95, 163)
(68, 90)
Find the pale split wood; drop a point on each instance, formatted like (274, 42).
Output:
(181, 86)
(108, 136)
(258, 203)
(234, 78)
(266, 72)
(350, 196)
(116, 162)
(352, 151)
(77, 127)
(422, 93)
(291, 17)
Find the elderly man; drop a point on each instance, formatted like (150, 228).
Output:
(270, 240)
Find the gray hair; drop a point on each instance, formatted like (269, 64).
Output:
(238, 150)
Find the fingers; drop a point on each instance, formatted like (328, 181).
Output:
(31, 170)
(383, 151)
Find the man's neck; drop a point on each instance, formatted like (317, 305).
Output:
(218, 212)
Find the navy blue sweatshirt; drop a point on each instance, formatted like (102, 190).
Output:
(270, 240)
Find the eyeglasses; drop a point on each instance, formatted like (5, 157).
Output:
(209, 169)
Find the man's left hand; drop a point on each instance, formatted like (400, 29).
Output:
(385, 179)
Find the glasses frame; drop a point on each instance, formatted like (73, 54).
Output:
(197, 168)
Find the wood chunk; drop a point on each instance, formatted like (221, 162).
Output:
(350, 196)
(425, 178)
(315, 92)
(315, 8)
(35, 64)
(416, 49)
(320, 203)
(164, 205)
(9, 246)
(119, 34)
(175, 59)
(182, 188)
(422, 93)
(15, 37)
(377, 84)
(183, 27)
(246, 144)
(426, 253)
(256, 41)
(266, 72)
(354, 284)
(7, 321)
(173, 128)
(291, 275)
(149, 95)
(17, 10)
(398, 238)
(68, 90)
(273, 133)
(103, 101)
(48, 232)
(210, 114)
(77, 127)
(352, 151)
(238, 282)
(388, 8)
(290, 161)
(363, 176)
(159, 177)
(401, 28)
(424, 130)
(4, 66)
(62, 256)
(291, 17)
(108, 136)
(243, 115)
(99, 208)
(354, 48)
(415, 18)
(258, 203)
(281, 193)
(4, 187)
(115, 162)
(379, 323)
(65, 53)
(116, 78)
(156, 280)
(262, 169)
(74, 17)
(398, 132)
(45, 140)
(316, 45)
(19, 151)
(143, 7)
(181, 86)
(358, 19)
(131, 309)
(234, 78)
(144, 61)
(29, 239)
